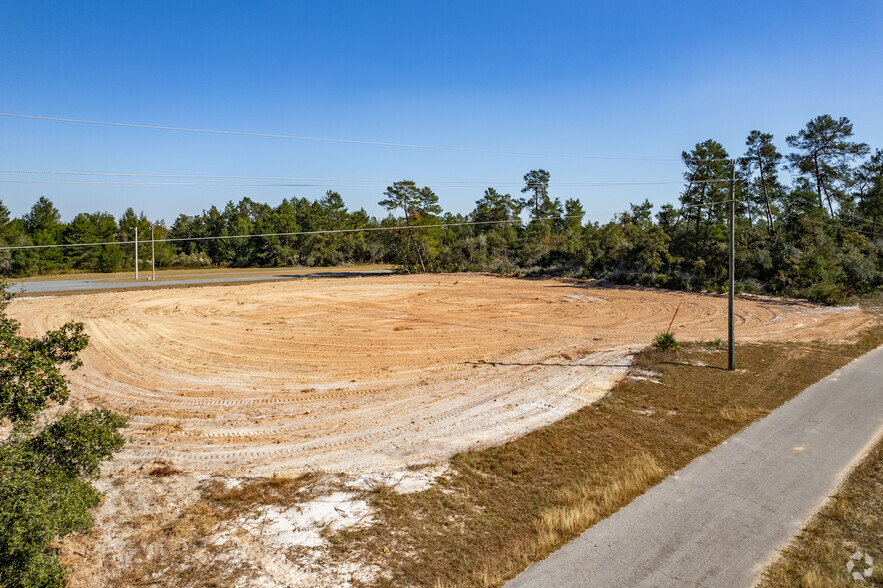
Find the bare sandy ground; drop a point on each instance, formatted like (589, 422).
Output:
(364, 377)
(374, 374)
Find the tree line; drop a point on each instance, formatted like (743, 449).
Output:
(819, 237)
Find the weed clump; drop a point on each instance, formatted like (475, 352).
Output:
(164, 470)
(666, 342)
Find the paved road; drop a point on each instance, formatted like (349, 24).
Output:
(722, 519)
(50, 286)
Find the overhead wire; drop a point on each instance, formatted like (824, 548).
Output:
(296, 233)
(348, 181)
(335, 182)
(837, 223)
(324, 179)
(829, 222)
(832, 222)
(336, 140)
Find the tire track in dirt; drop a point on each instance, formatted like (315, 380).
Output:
(375, 373)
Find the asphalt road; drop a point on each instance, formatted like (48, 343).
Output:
(723, 518)
(53, 286)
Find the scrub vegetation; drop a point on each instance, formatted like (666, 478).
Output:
(819, 238)
(46, 461)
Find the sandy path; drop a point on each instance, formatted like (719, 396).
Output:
(369, 374)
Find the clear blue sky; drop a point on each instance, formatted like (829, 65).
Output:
(639, 79)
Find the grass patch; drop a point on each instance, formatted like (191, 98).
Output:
(277, 490)
(505, 507)
(163, 470)
(741, 414)
(850, 522)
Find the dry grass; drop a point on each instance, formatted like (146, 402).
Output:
(505, 507)
(161, 471)
(741, 414)
(180, 551)
(277, 490)
(577, 508)
(170, 549)
(851, 521)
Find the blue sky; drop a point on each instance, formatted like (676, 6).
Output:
(632, 79)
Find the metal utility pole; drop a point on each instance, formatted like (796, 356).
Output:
(152, 255)
(732, 288)
(136, 253)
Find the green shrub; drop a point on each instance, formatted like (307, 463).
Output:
(45, 471)
(666, 342)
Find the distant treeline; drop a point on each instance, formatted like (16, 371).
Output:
(819, 238)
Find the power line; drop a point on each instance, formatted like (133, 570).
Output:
(710, 204)
(829, 222)
(323, 139)
(215, 177)
(335, 182)
(833, 222)
(373, 181)
(296, 233)
(331, 140)
(288, 185)
(229, 184)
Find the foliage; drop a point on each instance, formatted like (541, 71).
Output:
(45, 469)
(823, 156)
(419, 207)
(665, 341)
(820, 238)
(763, 190)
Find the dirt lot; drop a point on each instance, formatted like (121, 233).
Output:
(374, 374)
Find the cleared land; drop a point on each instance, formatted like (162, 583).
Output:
(374, 374)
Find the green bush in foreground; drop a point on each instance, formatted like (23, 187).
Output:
(666, 342)
(45, 469)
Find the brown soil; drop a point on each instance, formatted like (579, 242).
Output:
(368, 374)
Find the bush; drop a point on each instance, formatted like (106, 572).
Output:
(749, 286)
(666, 342)
(193, 260)
(45, 471)
(824, 292)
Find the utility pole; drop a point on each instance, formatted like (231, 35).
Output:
(732, 230)
(152, 255)
(136, 253)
